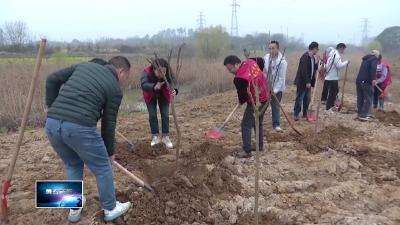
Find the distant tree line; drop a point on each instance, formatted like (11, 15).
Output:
(209, 43)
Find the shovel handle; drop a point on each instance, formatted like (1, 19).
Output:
(379, 89)
(125, 139)
(315, 86)
(135, 178)
(229, 116)
(286, 116)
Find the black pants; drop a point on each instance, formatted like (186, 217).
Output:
(303, 96)
(249, 123)
(324, 95)
(332, 89)
(164, 110)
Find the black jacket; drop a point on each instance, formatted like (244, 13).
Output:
(367, 71)
(303, 75)
(89, 92)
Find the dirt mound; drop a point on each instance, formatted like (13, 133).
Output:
(329, 137)
(141, 149)
(185, 195)
(389, 118)
(273, 137)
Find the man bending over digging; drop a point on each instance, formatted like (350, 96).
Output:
(77, 97)
(246, 94)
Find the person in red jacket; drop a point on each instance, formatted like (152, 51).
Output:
(383, 80)
(155, 91)
(246, 94)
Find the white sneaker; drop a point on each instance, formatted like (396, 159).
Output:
(167, 142)
(364, 118)
(278, 129)
(119, 210)
(75, 215)
(329, 111)
(155, 141)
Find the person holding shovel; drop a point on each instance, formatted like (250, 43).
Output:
(248, 78)
(365, 82)
(156, 92)
(384, 79)
(334, 65)
(76, 98)
(305, 79)
(275, 74)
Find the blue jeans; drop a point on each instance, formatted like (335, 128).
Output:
(365, 95)
(248, 123)
(164, 111)
(302, 98)
(276, 110)
(78, 145)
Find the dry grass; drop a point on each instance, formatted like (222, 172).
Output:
(198, 78)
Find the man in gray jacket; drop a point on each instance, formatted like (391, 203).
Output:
(275, 73)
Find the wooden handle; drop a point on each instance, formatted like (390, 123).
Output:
(315, 87)
(229, 116)
(380, 89)
(28, 105)
(286, 116)
(344, 83)
(131, 175)
(123, 137)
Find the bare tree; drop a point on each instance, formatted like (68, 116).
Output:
(16, 34)
(2, 37)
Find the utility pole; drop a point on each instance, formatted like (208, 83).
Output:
(234, 23)
(201, 21)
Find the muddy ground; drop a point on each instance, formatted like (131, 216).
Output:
(348, 173)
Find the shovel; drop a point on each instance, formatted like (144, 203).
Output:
(32, 88)
(131, 145)
(340, 104)
(311, 114)
(216, 133)
(135, 178)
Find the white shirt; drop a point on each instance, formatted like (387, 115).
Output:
(277, 81)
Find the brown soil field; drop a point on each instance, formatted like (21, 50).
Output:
(347, 173)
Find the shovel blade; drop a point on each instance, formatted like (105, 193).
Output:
(214, 133)
(311, 116)
(4, 209)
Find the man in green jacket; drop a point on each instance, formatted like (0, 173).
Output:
(77, 97)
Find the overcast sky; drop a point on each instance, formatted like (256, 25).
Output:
(321, 20)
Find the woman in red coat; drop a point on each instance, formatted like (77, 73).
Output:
(156, 92)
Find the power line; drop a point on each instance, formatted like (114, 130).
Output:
(234, 23)
(201, 21)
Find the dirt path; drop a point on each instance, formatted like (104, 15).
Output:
(347, 174)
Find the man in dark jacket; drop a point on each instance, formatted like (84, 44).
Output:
(366, 81)
(305, 79)
(77, 97)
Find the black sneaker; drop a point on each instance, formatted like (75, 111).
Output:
(244, 155)
(296, 118)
